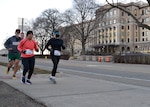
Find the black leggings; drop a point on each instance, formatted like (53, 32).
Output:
(28, 65)
(55, 60)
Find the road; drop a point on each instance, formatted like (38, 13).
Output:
(135, 74)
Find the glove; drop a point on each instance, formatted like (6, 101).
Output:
(24, 51)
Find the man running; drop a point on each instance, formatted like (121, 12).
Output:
(13, 53)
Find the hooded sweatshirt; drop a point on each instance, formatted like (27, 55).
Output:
(12, 42)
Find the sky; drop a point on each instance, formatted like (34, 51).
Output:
(11, 10)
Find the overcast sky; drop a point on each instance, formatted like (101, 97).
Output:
(11, 10)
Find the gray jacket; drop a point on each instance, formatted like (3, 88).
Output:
(12, 42)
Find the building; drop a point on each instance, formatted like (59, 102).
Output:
(118, 31)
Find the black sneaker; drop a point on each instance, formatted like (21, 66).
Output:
(28, 82)
(23, 80)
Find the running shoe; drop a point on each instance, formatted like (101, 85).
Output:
(14, 77)
(23, 80)
(28, 82)
(7, 71)
(52, 80)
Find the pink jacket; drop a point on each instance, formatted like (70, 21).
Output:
(29, 46)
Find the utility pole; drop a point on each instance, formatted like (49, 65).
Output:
(22, 24)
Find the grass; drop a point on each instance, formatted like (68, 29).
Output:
(36, 70)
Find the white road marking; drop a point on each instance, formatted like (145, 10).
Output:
(99, 66)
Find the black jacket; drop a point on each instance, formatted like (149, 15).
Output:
(55, 43)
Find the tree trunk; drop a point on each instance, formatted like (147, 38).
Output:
(83, 48)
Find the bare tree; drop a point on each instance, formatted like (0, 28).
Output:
(70, 36)
(51, 20)
(45, 25)
(40, 34)
(82, 18)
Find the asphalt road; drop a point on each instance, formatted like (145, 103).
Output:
(136, 74)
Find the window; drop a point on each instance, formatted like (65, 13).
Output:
(103, 30)
(136, 39)
(110, 14)
(128, 27)
(142, 33)
(142, 39)
(135, 34)
(122, 20)
(110, 22)
(136, 27)
(106, 23)
(107, 15)
(146, 33)
(128, 34)
(103, 24)
(114, 20)
(122, 27)
(114, 40)
(129, 20)
(146, 11)
(99, 25)
(115, 12)
(147, 20)
(128, 40)
(142, 12)
(135, 12)
(122, 13)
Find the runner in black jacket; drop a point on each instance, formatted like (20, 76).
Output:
(55, 51)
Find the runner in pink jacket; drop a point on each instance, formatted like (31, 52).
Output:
(27, 47)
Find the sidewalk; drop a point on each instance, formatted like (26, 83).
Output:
(77, 91)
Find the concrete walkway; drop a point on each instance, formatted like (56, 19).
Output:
(77, 91)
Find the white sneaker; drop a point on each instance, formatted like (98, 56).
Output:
(20, 71)
(52, 78)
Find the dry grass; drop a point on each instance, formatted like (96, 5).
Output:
(36, 70)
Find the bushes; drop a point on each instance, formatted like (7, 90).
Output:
(132, 58)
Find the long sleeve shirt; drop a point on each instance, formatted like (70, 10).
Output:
(12, 43)
(27, 47)
(55, 43)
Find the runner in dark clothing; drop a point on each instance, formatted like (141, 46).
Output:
(55, 51)
(13, 53)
